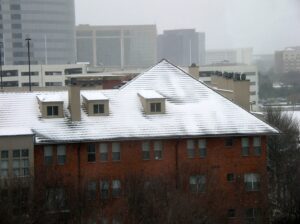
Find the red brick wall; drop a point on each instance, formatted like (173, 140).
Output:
(219, 161)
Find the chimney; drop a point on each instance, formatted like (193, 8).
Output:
(74, 99)
(194, 71)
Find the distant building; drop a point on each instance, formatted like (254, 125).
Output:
(233, 86)
(182, 47)
(49, 23)
(239, 55)
(249, 70)
(53, 77)
(131, 46)
(287, 60)
(41, 75)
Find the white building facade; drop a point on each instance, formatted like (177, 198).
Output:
(41, 75)
(239, 55)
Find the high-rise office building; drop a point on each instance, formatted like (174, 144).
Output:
(235, 56)
(50, 24)
(287, 60)
(182, 47)
(117, 46)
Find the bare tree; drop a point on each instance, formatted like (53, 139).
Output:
(284, 169)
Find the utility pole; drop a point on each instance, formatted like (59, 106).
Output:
(28, 54)
(1, 46)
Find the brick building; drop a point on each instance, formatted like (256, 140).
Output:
(163, 123)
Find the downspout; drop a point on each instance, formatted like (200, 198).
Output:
(79, 182)
(176, 165)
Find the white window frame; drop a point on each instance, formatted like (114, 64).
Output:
(158, 150)
(61, 154)
(252, 181)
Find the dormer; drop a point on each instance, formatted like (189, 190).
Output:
(152, 101)
(51, 106)
(95, 103)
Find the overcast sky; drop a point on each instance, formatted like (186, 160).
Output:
(265, 25)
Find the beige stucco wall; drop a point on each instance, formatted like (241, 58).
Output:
(242, 93)
(240, 90)
(74, 102)
(18, 142)
(194, 71)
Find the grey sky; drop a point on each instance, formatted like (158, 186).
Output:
(265, 25)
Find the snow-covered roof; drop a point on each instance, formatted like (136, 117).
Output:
(94, 96)
(192, 110)
(49, 97)
(150, 94)
(15, 131)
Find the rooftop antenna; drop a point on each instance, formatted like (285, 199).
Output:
(28, 54)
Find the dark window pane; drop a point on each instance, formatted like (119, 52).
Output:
(228, 142)
(16, 153)
(230, 177)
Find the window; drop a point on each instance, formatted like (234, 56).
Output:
(98, 108)
(17, 36)
(252, 181)
(116, 151)
(257, 146)
(4, 163)
(231, 213)
(197, 183)
(16, 26)
(52, 110)
(31, 73)
(158, 150)
(91, 152)
(103, 152)
(15, 16)
(245, 146)
(103, 220)
(48, 153)
(9, 73)
(252, 215)
(104, 189)
(92, 190)
(190, 148)
(146, 150)
(53, 73)
(61, 154)
(56, 198)
(116, 188)
(53, 83)
(10, 83)
(230, 177)
(155, 107)
(25, 84)
(15, 7)
(21, 162)
(228, 142)
(202, 147)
